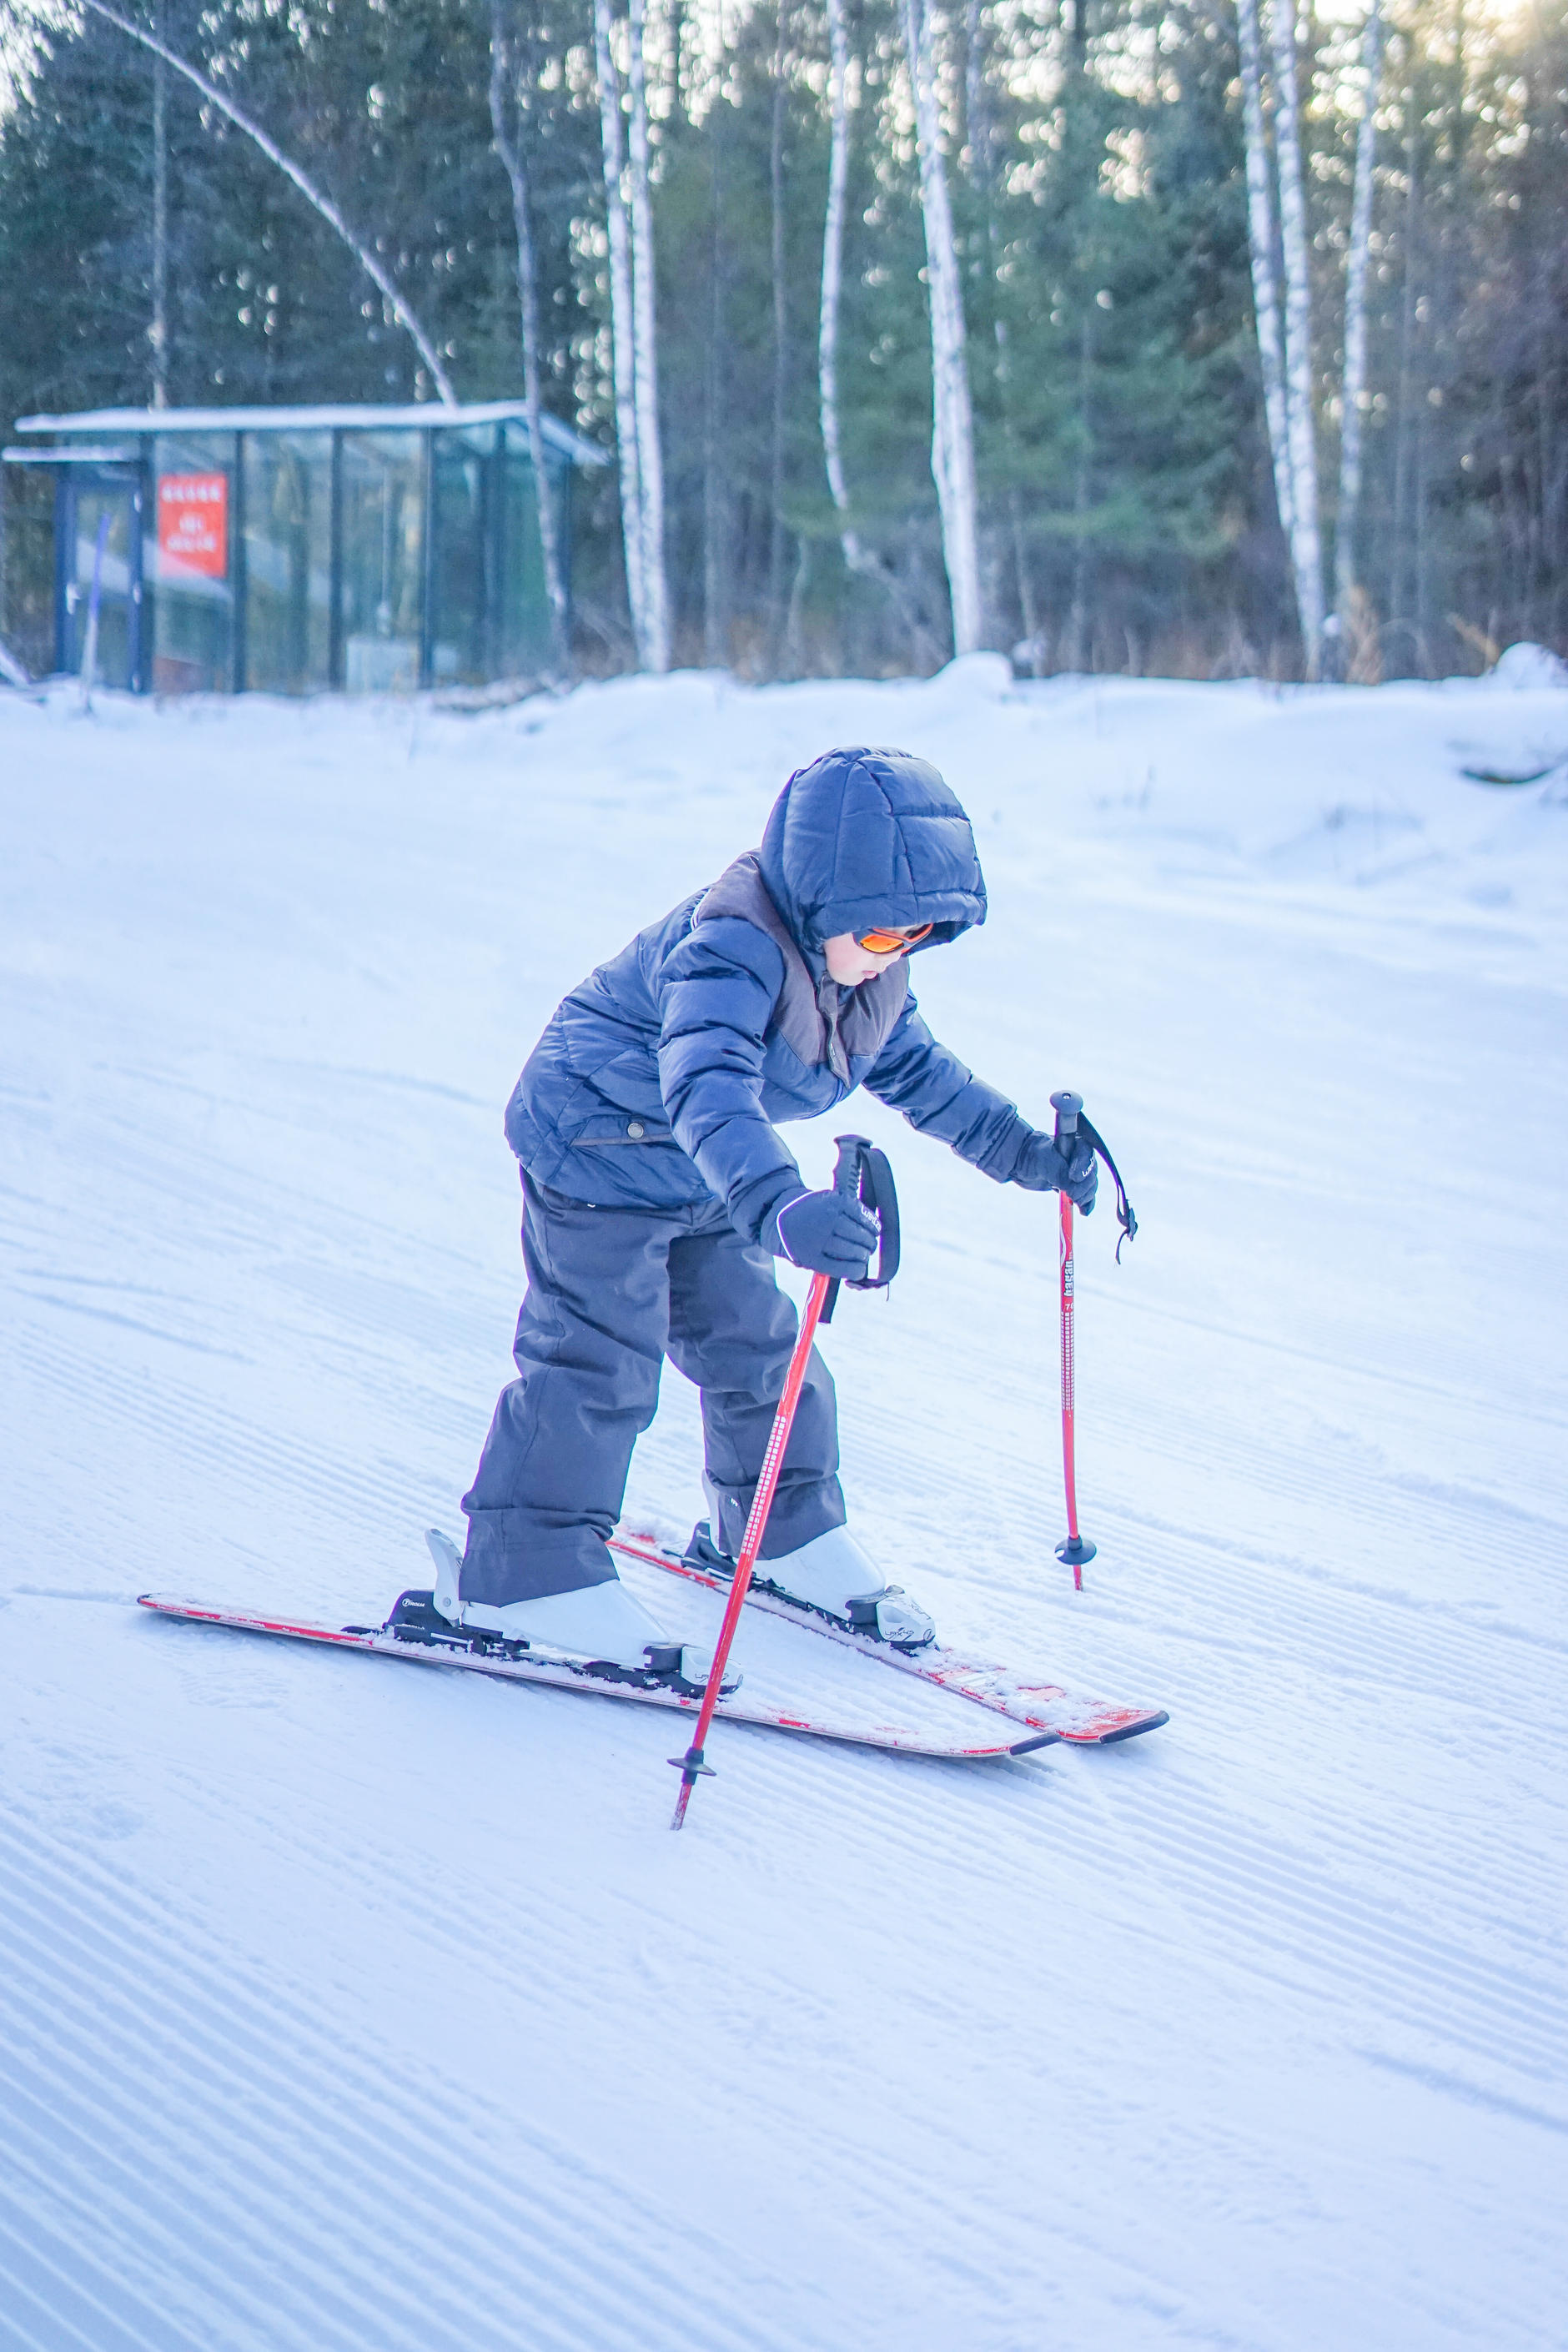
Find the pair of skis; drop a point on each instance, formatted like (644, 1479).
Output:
(1038, 1712)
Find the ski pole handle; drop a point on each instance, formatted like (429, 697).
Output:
(847, 1167)
(846, 1184)
(1067, 1106)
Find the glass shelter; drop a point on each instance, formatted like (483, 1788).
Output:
(298, 549)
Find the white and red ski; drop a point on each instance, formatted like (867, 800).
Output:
(1044, 1705)
(558, 1672)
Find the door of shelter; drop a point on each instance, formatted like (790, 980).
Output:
(99, 556)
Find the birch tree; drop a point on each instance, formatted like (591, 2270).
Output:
(644, 349)
(623, 328)
(953, 434)
(781, 336)
(396, 302)
(982, 169)
(1305, 540)
(1262, 244)
(514, 162)
(1355, 382)
(857, 557)
(716, 553)
(158, 328)
(1284, 317)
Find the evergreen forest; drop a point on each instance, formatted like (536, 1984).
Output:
(1105, 283)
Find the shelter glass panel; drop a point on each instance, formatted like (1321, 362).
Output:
(383, 555)
(189, 558)
(102, 579)
(524, 632)
(463, 493)
(288, 560)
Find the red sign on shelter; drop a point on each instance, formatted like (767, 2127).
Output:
(193, 523)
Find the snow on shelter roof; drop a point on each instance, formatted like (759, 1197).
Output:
(362, 417)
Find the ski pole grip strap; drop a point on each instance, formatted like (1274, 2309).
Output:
(1125, 1217)
(863, 1171)
(879, 1195)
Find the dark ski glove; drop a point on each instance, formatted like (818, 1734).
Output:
(1042, 1169)
(829, 1232)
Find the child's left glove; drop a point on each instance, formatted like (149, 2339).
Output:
(828, 1233)
(1042, 1169)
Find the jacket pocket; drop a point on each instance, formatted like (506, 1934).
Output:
(603, 1134)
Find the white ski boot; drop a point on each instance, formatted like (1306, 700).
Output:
(603, 1622)
(833, 1575)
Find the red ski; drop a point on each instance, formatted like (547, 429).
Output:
(1044, 1707)
(558, 1672)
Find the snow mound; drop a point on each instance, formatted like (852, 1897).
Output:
(1525, 668)
(986, 677)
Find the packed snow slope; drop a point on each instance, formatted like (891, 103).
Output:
(348, 2009)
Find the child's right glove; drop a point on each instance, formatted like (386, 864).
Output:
(1042, 1169)
(828, 1233)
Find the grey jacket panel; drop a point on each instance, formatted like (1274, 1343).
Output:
(818, 1021)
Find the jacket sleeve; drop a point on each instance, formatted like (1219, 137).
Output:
(716, 992)
(939, 1096)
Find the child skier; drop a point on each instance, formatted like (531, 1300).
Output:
(658, 1189)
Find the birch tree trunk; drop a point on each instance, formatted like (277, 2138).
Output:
(1355, 320)
(715, 553)
(514, 162)
(650, 458)
(832, 277)
(1078, 650)
(857, 557)
(781, 330)
(158, 334)
(1305, 542)
(1398, 537)
(1260, 237)
(983, 166)
(953, 435)
(312, 194)
(623, 332)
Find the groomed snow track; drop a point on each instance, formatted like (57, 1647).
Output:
(344, 2009)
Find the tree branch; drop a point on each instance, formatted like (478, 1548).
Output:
(308, 189)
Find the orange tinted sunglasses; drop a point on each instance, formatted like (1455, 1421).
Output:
(890, 943)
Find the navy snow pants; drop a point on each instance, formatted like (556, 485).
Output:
(612, 1292)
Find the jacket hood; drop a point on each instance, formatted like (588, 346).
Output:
(863, 838)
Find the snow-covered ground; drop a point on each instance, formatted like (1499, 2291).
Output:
(343, 2006)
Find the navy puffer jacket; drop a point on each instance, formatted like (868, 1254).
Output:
(659, 1079)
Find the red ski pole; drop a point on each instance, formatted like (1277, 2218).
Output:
(1075, 1548)
(846, 1179)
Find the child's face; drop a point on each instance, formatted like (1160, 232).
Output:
(849, 963)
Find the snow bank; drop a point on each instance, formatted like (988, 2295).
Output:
(1525, 668)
